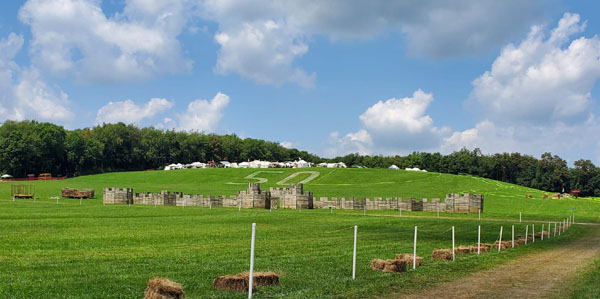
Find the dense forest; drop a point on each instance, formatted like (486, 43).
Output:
(33, 147)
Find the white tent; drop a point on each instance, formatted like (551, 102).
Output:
(197, 165)
(244, 165)
(394, 167)
(6, 176)
(302, 164)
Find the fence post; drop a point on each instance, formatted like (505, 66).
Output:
(453, 243)
(542, 232)
(438, 212)
(354, 255)
(554, 229)
(479, 215)
(415, 250)
(250, 278)
(500, 240)
(400, 211)
(80, 201)
(526, 233)
(478, 239)
(559, 228)
(519, 217)
(513, 236)
(533, 233)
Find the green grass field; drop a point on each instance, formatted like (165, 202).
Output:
(66, 250)
(501, 200)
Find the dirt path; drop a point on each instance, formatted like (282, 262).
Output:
(536, 275)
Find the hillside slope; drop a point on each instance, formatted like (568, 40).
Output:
(502, 200)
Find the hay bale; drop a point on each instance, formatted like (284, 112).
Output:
(442, 254)
(408, 257)
(485, 247)
(377, 264)
(163, 288)
(503, 246)
(394, 266)
(239, 282)
(463, 250)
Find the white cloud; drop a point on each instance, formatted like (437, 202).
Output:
(23, 93)
(539, 81)
(392, 126)
(537, 96)
(286, 144)
(260, 40)
(263, 52)
(130, 113)
(75, 36)
(203, 115)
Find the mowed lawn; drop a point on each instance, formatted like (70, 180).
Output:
(65, 250)
(501, 200)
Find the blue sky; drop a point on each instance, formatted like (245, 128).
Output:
(331, 77)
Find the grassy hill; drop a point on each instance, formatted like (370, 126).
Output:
(502, 200)
(65, 250)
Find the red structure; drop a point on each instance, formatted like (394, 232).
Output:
(575, 193)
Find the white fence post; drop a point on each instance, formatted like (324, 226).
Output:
(354, 255)
(513, 236)
(555, 229)
(415, 250)
(526, 233)
(80, 201)
(479, 215)
(400, 211)
(519, 217)
(500, 240)
(533, 232)
(250, 278)
(542, 232)
(453, 243)
(478, 239)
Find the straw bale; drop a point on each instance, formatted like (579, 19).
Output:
(408, 257)
(463, 250)
(504, 245)
(239, 282)
(442, 254)
(377, 264)
(394, 266)
(163, 288)
(484, 247)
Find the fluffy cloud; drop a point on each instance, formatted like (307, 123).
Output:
(537, 96)
(75, 36)
(203, 115)
(263, 52)
(261, 39)
(23, 93)
(392, 126)
(130, 113)
(542, 79)
(286, 144)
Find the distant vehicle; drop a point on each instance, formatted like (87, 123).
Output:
(6, 176)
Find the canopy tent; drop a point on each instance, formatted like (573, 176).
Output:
(394, 167)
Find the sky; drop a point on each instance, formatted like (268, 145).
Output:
(330, 77)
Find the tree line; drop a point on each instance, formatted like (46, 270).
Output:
(33, 147)
(30, 147)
